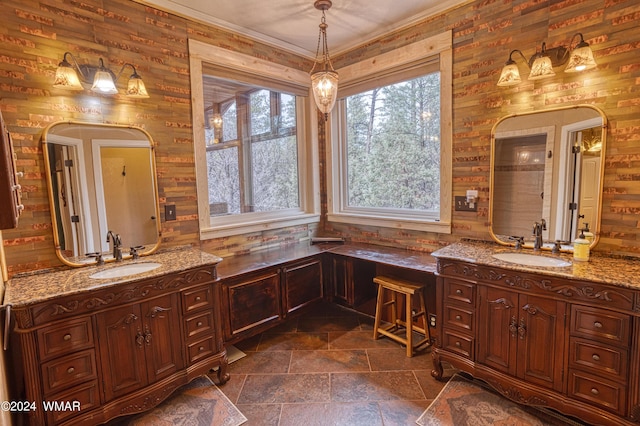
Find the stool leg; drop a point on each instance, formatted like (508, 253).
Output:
(409, 327)
(379, 307)
(427, 327)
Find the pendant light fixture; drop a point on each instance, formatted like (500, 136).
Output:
(324, 81)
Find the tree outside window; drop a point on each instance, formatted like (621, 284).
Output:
(393, 146)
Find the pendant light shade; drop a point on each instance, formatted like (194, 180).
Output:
(325, 90)
(324, 82)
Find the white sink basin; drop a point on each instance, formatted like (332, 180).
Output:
(532, 260)
(124, 270)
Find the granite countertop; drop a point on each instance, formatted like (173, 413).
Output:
(600, 268)
(32, 288)
(402, 258)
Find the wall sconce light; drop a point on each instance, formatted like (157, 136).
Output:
(72, 76)
(324, 82)
(542, 63)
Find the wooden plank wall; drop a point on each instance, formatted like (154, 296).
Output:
(35, 34)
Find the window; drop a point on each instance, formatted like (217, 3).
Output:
(255, 143)
(252, 156)
(391, 150)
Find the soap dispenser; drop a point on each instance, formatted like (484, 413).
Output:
(581, 248)
(588, 234)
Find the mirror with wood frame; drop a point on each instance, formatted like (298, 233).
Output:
(101, 178)
(547, 168)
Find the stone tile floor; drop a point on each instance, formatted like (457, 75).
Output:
(324, 368)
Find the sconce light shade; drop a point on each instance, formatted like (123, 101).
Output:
(510, 75)
(581, 59)
(103, 83)
(67, 78)
(541, 68)
(136, 88)
(325, 89)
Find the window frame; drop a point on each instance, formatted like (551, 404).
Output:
(308, 162)
(337, 192)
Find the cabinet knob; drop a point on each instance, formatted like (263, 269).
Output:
(458, 291)
(458, 344)
(199, 323)
(597, 324)
(594, 391)
(201, 348)
(67, 337)
(458, 317)
(198, 298)
(596, 357)
(70, 370)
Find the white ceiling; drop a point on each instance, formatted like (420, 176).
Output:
(293, 24)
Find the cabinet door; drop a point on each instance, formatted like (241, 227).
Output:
(302, 284)
(162, 336)
(122, 353)
(251, 303)
(498, 325)
(342, 273)
(541, 343)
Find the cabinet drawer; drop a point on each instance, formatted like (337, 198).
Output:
(458, 343)
(61, 339)
(85, 397)
(199, 324)
(598, 358)
(600, 324)
(69, 370)
(459, 291)
(201, 349)
(458, 317)
(597, 391)
(197, 298)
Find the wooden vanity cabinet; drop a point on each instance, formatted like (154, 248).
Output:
(256, 301)
(117, 350)
(541, 339)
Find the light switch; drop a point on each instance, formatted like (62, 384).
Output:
(169, 212)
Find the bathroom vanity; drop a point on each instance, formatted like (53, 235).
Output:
(564, 337)
(117, 345)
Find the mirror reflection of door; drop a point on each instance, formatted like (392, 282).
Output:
(70, 209)
(125, 175)
(581, 153)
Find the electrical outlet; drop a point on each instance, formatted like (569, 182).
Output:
(462, 205)
(432, 320)
(169, 212)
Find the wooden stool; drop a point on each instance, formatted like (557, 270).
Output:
(396, 287)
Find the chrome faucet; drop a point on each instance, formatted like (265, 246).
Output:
(538, 227)
(117, 245)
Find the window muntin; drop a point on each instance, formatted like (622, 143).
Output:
(253, 165)
(393, 147)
